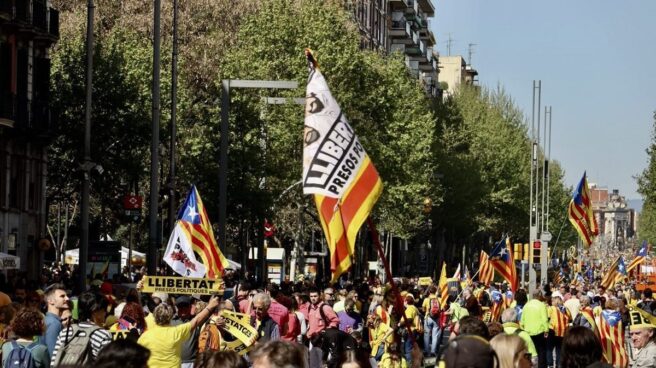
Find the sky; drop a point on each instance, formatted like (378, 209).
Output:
(596, 60)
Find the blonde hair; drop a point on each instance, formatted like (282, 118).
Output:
(509, 349)
(163, 314)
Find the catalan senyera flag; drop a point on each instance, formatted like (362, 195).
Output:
(443, 286)
(639, 257)
(614, 274)
(193, 233)
(503, 262)
(558, 319)
(611, 334)
(580, 213)
(485, 270)
(336, 170)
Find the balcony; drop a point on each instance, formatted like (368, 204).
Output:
(427, 7)
(397, 47)
(398, 4)
(400, 28)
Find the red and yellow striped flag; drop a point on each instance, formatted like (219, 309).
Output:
(485, 271)
(337, 170)
(611, 333)
(443, 285)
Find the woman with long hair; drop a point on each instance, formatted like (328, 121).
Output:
(581, 348)
(511, 351)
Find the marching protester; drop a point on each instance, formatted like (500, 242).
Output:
(89, 332)
(165, 341)
(57, 302)
(26, 325)
(267, 328)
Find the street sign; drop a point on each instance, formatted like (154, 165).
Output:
(545, 236)
(132, 202)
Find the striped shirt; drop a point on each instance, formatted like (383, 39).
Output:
(99, 339)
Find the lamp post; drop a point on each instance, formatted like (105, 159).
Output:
(154, 145)
(87, 165)
(226, 86)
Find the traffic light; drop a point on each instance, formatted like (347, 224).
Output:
(518, 251)
(537, 247)
(527, 252)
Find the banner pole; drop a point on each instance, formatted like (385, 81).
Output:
(399, 302)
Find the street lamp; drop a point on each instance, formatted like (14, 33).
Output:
(226, 86)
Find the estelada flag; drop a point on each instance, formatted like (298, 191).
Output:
(580, 213)
(639, 257)
(503, 262)
(611, 333)
(615, 274)
(337, 170)
(193, 233)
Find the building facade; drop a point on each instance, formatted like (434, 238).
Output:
(454, 71)
(401, 26)
(615, 219)
(28, 28)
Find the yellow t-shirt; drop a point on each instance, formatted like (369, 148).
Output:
(426, 305)
(377, 338)
(165, 344)
(412, 315)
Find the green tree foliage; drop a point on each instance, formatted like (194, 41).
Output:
(485, 165)
(385, 105)
(647, 187)
(120, 118)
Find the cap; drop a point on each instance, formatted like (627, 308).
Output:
(640, 321)
(469, 351)
(162, 296)
(182, 300)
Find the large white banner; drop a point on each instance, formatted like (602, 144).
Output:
(332, 154)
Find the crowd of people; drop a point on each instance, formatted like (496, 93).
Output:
(364, 323)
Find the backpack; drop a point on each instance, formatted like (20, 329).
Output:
(209, 338)
(434, 309)
(76, 347)
(21, 356)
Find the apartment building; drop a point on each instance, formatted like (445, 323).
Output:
(28, 28)
(401, 26)
(454, 71)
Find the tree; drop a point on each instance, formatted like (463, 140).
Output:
(647, 187)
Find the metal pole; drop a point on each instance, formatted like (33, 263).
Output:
(154, 145)
(537, 169)
(223, 162)
(532, 212)
(58, 244)
(84, 214)
(548, 174)
(544, 169)
(65, 239)
(174, 103)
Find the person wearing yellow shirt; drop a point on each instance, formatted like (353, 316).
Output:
(535, 321)
(432, 329)
(412, 322)
(380, 335)
(165, 341)
(393, 358)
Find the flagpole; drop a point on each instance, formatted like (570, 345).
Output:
(388, 273)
